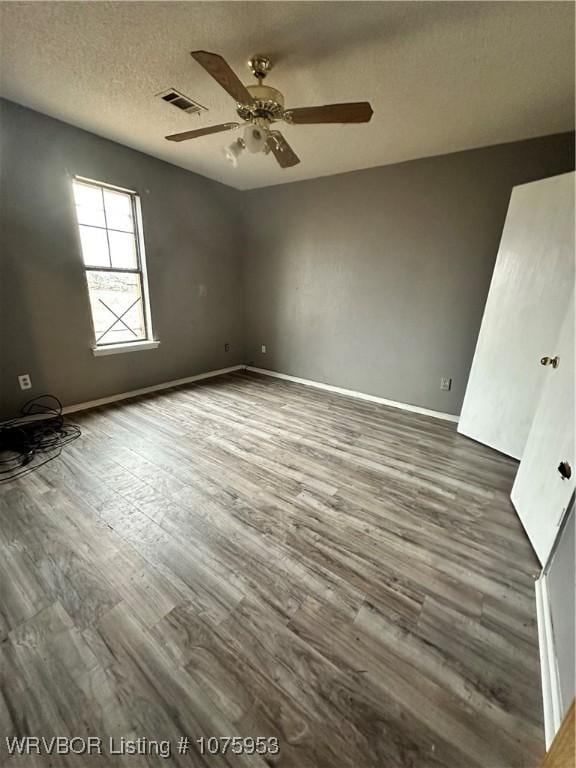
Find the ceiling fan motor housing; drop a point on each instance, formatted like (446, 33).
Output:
(269, 104)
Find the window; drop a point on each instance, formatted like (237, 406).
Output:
(112, 249)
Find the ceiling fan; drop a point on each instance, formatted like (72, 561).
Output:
(260, 106)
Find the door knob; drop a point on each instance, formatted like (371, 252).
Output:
(565, 470)
(553, 361)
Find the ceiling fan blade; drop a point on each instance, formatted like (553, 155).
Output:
(353, 112)
(282, 151)
(220, 70)
(202, 132)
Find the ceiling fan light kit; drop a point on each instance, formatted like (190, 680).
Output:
(233, 152)
(260, 106)
(255, 138)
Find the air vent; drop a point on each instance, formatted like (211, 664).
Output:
(177, 99)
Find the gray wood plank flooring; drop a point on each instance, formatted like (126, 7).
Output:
(249, 557)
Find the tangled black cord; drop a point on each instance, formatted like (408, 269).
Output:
(35, 438)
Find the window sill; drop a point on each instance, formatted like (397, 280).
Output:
(114, 349)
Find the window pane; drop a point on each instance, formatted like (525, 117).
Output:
(118, 210)
(92, 216)
(117, 307)
(88, 196)
(122, 250)
(94, 247)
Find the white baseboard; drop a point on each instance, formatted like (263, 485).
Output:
(359, 395)
(147, 390)
(548, 666)
(209, 374)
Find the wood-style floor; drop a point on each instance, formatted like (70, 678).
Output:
(252, 557)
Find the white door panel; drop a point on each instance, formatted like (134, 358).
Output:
(526, 303)
(540, 494)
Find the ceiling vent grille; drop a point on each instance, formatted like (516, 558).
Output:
(177, 99)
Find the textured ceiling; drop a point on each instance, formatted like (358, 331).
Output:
(441, 77)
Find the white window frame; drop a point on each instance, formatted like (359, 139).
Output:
(126, 346)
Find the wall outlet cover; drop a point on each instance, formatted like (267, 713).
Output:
(263, 349)
(25, 381)
(445, 384)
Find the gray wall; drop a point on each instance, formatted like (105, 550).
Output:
(373, 280)
(192, 233)
(376, 280)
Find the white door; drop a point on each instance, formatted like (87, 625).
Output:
(541, 491)
(526, 303)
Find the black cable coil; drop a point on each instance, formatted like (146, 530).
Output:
(35, 438)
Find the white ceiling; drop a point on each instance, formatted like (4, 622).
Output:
(441, 76)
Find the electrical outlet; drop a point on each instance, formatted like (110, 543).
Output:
(263, 349)
(226, 347)
(25, 381)
(445, 384)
